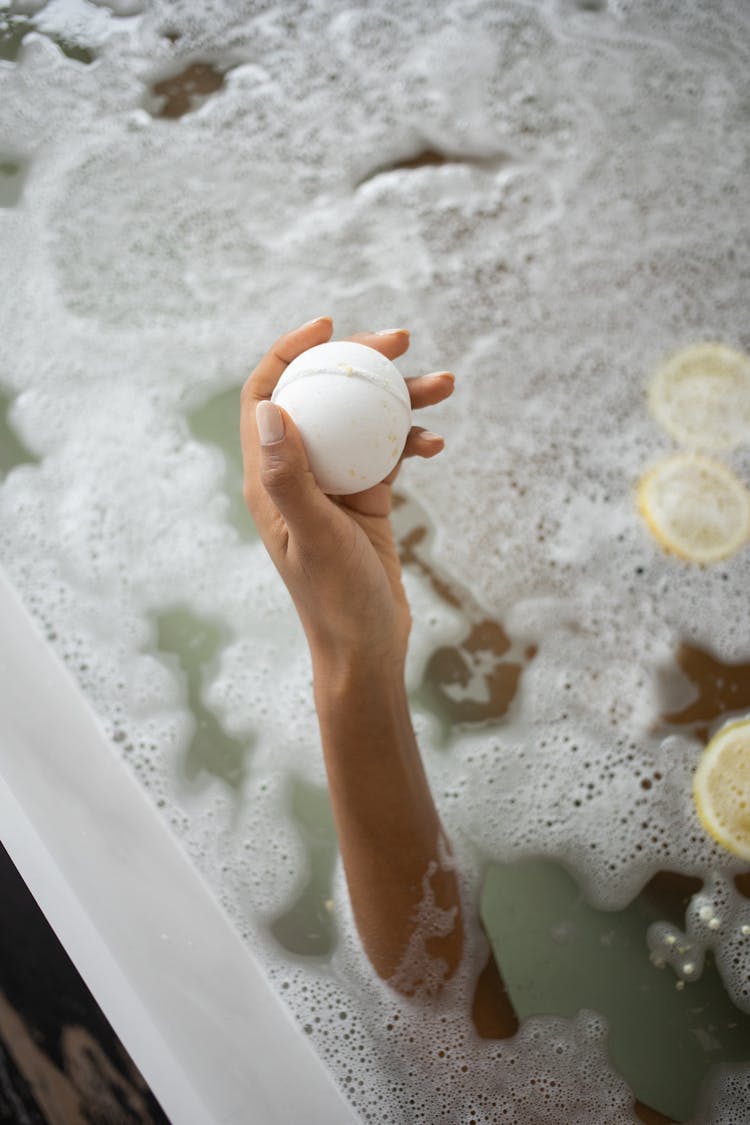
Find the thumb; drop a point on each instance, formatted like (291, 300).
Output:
(285, 472)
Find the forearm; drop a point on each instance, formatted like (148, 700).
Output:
(392, 843)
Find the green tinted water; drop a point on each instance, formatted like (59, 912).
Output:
(12, 450)
(14, 28)
(216, 422)
(307, 926)
(557, 955)
(191, 645)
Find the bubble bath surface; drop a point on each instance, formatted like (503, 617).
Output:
(553, 197)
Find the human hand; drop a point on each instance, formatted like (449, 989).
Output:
(336, 554)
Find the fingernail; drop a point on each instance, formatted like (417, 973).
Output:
(392, 331)
(429, 436)
(270, 422)
(315, 320)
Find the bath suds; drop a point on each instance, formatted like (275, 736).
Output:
(556, 198)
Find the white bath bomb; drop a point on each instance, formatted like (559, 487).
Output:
(352, 407)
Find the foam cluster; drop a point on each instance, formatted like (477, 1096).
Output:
(553, 198)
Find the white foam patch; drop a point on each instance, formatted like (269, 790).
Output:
(586, 220)
(80, 22)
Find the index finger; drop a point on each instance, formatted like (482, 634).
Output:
(266, 375)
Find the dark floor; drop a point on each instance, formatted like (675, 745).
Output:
(60, 1061)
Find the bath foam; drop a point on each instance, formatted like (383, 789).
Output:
(429, 1050)
(162, 256)
(717, 919)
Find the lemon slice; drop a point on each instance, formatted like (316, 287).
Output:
(695, 507)
(701, 396)
(721, 788)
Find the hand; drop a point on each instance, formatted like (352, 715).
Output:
(336, 554)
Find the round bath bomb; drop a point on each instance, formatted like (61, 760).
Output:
(352, 407)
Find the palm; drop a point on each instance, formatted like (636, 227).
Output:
(382, 559)
(362, 578)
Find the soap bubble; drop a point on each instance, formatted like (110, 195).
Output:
(553, 199)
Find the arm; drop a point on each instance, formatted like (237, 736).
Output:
(338, 559)
(395, 853)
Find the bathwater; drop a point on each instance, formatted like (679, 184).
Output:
(553, 196)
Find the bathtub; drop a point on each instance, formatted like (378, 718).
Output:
(188, 1000)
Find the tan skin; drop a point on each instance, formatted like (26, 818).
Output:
(338, 558)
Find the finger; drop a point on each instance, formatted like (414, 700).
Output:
(270, 369)
(285, 476)
(375, 501)
(419, 443)
(422, 443)
(428, 390)
(391, 343)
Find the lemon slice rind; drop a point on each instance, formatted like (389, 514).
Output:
(695, 507)
(721, 788)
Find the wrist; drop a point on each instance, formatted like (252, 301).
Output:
(348, 673)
